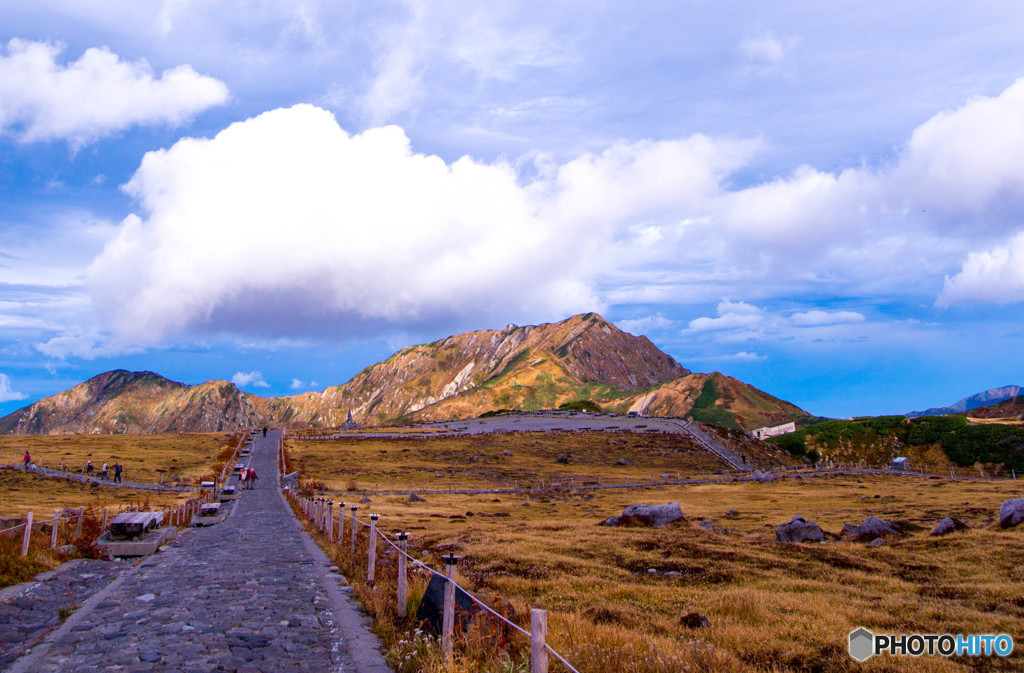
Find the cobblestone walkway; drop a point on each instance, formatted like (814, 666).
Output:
(251, 594)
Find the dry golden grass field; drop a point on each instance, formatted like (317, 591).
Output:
(771, 606)
(420, 463)
(146, 458)
(41, 495)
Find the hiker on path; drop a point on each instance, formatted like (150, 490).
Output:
(252, 479)
(264, 431)
(88, 467)
(117, 473)
(243, 477)
(105, 474)
(27, 459)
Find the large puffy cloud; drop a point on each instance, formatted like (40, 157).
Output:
(286, 225)
(96, 95)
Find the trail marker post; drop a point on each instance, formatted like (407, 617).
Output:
(371, 552)
(448, 619)
(28, 535)
(403, 543)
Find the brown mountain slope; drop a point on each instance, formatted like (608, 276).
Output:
(712, 398)
(133, 402)
(1011, 409)
(536, 367)
(467, 374)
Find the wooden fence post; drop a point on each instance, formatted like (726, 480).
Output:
(371, 553)
(53, 529)
(538, 634)
(341, 523)
(355, 531)
(403, 543)
(103, 523)
(448, 619)
(81, 517)
(28, 534)
(330, 521)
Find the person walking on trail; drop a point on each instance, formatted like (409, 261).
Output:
(104, 473)
(27, 459)
(252, 479)
(117, 473)
(264, 431)
(88, 467)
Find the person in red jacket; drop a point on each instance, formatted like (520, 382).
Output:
(27, 459)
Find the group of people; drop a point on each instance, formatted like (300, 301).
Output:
(89, 469)
(105, 472)
(248, 478)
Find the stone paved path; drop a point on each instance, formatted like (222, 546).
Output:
(251, 594)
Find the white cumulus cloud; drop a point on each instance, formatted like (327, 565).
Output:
(253, 378)
(767, 47)
(995, 275)
(297, 384)
(7, 394)
(95, 96)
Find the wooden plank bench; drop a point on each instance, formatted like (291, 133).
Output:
(130, 525)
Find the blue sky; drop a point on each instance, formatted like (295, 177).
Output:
(822, 200)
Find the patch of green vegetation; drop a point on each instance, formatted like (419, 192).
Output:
(563, 351)
(494, 412)
(987, 444)
(581, 405)
(516, 359)
(714, 416)
(928, 429)
(708, 395)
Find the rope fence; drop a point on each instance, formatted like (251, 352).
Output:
(175, 515)
(319, 512)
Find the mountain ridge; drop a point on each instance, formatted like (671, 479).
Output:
(583, 357)
(982, 399)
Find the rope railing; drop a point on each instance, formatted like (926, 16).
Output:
(319, 513)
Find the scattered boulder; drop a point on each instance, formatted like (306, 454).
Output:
(562, 460)
(707, 525)
(365, 500)
(761, 477)
(877, 542)
(415, 498)
(623, 461)
(875, 527)
(693, 620)
(1011, 513)
(431, 610)
(849, 531)
(647, 515)
(799, 530)
(731, 512)
(506, 452)
(947, 526)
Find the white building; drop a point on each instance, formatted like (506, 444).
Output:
(774, 430)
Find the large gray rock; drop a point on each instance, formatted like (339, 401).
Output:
(799, 530)
(1011, 513)
(647, 515)
(947, 526)
(874, 527)
(761, 477)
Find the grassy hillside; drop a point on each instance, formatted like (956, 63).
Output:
(939, 441)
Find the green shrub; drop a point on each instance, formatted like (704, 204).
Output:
(581, 405)
(986, 444)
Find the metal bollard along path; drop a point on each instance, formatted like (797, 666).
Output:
(251, 594)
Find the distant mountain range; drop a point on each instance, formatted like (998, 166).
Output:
(535, 367)
(989, 397)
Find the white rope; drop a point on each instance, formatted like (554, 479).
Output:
(20, 525)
